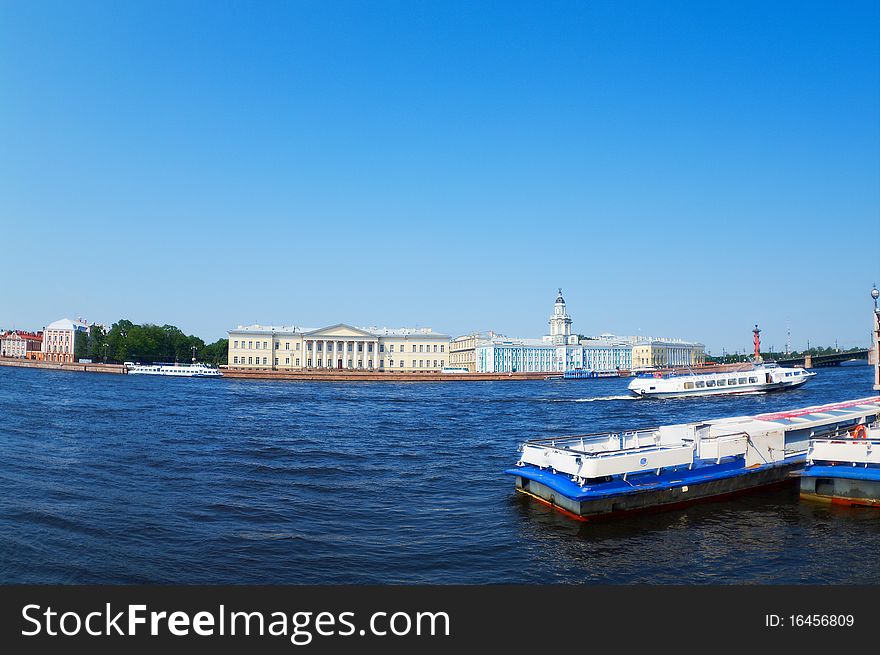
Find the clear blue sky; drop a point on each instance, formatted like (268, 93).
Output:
(679, 168)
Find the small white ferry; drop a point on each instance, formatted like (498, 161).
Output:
(757, 378)
(176, 370)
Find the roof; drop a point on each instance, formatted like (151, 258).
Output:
(406, 333)
(67, 324)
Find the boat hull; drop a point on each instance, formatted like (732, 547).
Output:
(687, 489)
(841, 485)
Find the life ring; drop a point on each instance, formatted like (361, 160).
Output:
(859, 432)
(658, 375)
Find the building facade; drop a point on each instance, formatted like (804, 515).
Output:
(516, 355)
(59, 339)
(562, 351)
(23, 345)
(667, 353)
(338, 347)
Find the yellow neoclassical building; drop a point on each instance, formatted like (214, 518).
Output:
(338, 346)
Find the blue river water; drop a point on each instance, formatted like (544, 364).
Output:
(134, 479)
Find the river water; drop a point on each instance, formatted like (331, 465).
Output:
(134, 479)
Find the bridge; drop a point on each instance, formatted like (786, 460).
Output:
(831, 359)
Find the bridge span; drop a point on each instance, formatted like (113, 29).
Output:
(830, 359)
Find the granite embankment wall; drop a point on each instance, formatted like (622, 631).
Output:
(66, 366)
(325, 376)
(368, 376)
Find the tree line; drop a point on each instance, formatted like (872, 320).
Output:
(129, 342)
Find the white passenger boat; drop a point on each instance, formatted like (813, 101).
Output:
(757, 378)
(176, 370)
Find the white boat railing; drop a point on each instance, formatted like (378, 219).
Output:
(844, 450)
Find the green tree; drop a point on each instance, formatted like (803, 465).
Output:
(216, 353)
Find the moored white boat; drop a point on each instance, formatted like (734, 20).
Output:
(596, 475)
(844, 468)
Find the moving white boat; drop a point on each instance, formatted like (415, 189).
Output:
(176, 370)
(756, 378)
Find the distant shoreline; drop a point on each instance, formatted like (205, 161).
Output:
(308, 375)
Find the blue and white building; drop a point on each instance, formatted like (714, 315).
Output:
(562, 351)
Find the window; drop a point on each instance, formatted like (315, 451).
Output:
(381, 348)
(731, 382)
(297, 347)
(297, 360)
(264, 360)
(250, 360)
(414, 348)
(287, 360)
(391, 348)
(701, 384)
(235, 360)
(441, 364)
(390, 362)
(421, 364)
(277, 345)
(421, 348)
(286, 345)
(236, 344)
(753, 380)
(258, 346)
(721, 383)
(276, 361)
(414, 361)
(265, 345)
(742, 380)
(435, 361)
(401, 363)
(688, 385)
(435, 347)
(250, 344)
(710, 383)
(441, 347)
(319, 362)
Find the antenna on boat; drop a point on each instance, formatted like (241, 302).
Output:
(194, 354)
(757, 340)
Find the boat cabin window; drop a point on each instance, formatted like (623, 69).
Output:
(731, 382)
(753, 380)
(688, 385)
(700, 384)
(742, 380)
(710, 383)
(721, 383)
